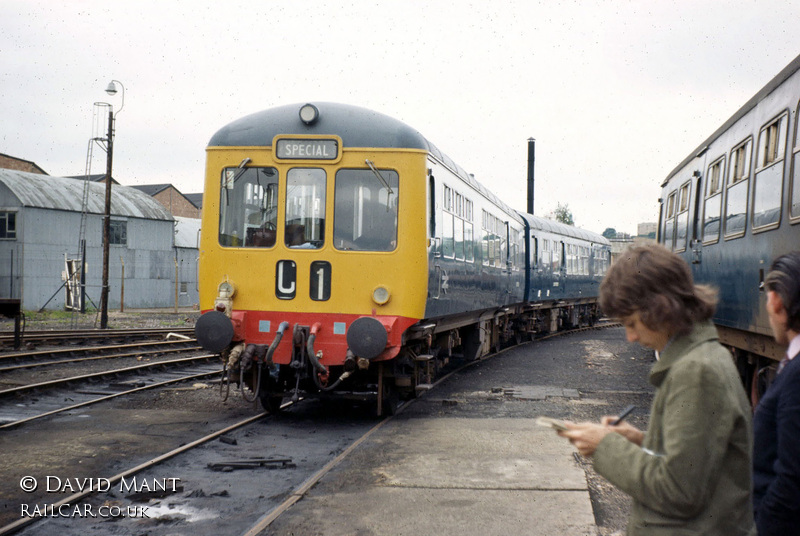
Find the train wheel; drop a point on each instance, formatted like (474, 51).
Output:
(391, 398)
(271, 402)
(271, 395)
(471, 343)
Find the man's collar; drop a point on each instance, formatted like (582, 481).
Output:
(794, 347)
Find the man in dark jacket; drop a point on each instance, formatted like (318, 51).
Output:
(776, 425)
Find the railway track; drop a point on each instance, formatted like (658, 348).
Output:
(30, 397)
(60, 382)
(24, 360)
(92, 489)
(85, 337)
(100, 397)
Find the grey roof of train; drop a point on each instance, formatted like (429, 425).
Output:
(357, 126)
(543, 224)
(779, 79)
(60, 193)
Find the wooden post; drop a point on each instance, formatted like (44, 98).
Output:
(122, 287)
(176, 283)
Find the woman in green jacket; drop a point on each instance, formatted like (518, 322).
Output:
(689, 473)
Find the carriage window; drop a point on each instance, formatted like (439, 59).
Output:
(469, 237)
(494, 240)
(736, 200)
(365, 210)
(448, 236)
(713, 204)
(544, 254)
(669, 222)
(771, 141)
(795, 209)
(769, 178)
(558, 255)
(248, 207)
(458, 237)
(682, 219)
(305, 208)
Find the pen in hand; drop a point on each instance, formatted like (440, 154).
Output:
(627, 411)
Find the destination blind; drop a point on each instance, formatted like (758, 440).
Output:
(307, 149)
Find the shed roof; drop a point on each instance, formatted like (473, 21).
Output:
(59, 193)
(96, 177)
(153, 189)
(196, 199)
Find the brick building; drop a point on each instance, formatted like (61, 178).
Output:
(18, 164)
(171, 199)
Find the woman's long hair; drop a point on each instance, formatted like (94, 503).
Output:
(658, 284)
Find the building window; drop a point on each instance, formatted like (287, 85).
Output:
(8, 225)
(768, 183)
(118, 233)
(713, 203)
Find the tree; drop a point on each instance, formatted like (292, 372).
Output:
(564, 215)
(610, 232)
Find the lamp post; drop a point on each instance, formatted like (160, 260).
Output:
(111, 90)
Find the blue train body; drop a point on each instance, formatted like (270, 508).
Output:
(732, 206)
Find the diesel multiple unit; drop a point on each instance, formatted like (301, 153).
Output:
(342, 254)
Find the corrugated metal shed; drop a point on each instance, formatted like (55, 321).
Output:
(60, 193)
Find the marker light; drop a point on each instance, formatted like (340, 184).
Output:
(380, 295)
(226, 290)
(309, 114)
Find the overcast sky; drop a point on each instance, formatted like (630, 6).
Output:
(616, 94)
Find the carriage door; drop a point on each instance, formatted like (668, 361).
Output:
(697, 242)
(560, 276)
(434, 244)
(506, 257)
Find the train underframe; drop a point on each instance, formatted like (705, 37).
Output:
(427, 348)
(756, 356)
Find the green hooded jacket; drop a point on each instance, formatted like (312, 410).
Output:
(692, 473)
